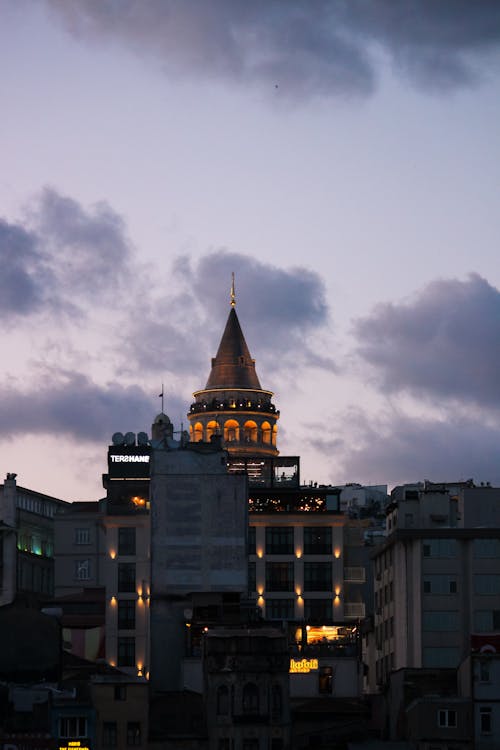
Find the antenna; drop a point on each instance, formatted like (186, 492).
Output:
(161, 395)
(233, 294)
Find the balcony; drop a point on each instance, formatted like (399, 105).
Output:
(354, 575)
(354, 610)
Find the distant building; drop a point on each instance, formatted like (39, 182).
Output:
(26, 542)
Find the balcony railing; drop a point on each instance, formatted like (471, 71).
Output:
(354, 575)
(354, 609)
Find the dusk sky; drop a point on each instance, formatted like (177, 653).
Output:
(341, 157)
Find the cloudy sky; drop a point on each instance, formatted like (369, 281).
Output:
(341, 157)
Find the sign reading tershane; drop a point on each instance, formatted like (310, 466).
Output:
(129, 459)
(129, 463)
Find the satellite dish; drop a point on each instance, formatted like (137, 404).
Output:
(118, 438)
(130, 438)
(142, 438)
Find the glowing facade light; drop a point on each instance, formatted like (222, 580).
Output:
(336, 552)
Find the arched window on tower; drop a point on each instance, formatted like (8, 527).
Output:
(213, 428)
(275, 434)
(231, 431)
(266, 433)
(198, 432)
(250, 431)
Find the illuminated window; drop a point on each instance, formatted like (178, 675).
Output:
(198, 432)
(126, 540)
(266, 433)
(250, 432)
(231, 431)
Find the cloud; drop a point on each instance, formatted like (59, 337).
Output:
(71, 405)
(396, 448)
(60, 257)
(279, 310)
(444, 343)
(328, 47)
(23, 277)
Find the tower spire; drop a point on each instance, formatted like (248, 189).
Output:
(233, 293)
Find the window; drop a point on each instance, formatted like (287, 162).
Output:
(82, 570)
(487, 584)
(325, 680)
(250, 698)
(133, 733)
(126, 577)
(279, 540)
(317, 540)
(486, 547)
(486, 620)
(126, 614)
(126, 540)
(317, 576)
(224, 743)
(276, 702)
(82, 536)
(126, 651)
(318, 609)
(440, 584)
(72, 726)
(485, 723)
(447, 717)
(279, 576)
(250, 743)
(109, 734)
(222, 700)
(444, 656)
(252, 577)
(440, 548)
(440, 621)
(280, 609)
(484, 671)
(120, 692)
(251, 540)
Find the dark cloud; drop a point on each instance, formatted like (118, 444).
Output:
(279, 310)
(71, 405)
(442, 344)
(23, 275)
(324, 47)
(397, 448)
(61, 257)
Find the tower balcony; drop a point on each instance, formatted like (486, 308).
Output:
(230, 405)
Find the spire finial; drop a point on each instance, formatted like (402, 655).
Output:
(233, 294)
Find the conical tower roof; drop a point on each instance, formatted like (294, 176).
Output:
(233, 367)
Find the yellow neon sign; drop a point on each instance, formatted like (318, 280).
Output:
(304, 666)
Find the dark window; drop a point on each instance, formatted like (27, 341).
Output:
(133, 733)
(109, 734)
(280, 609)
(279, 540)
(126, 577)
(222, 700)
(126, 614)
(279, 576)
(73, 726)
(485, 719)
(120, 692)
(447, 717)
(318, 609)
(126, 540)
(276, 701)
(252, 580)
(251, 540)
(325, 680)
(317, 540)
(250, 743)
(250, 698)
(317, 576)
(224, 743)
(126, 651)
